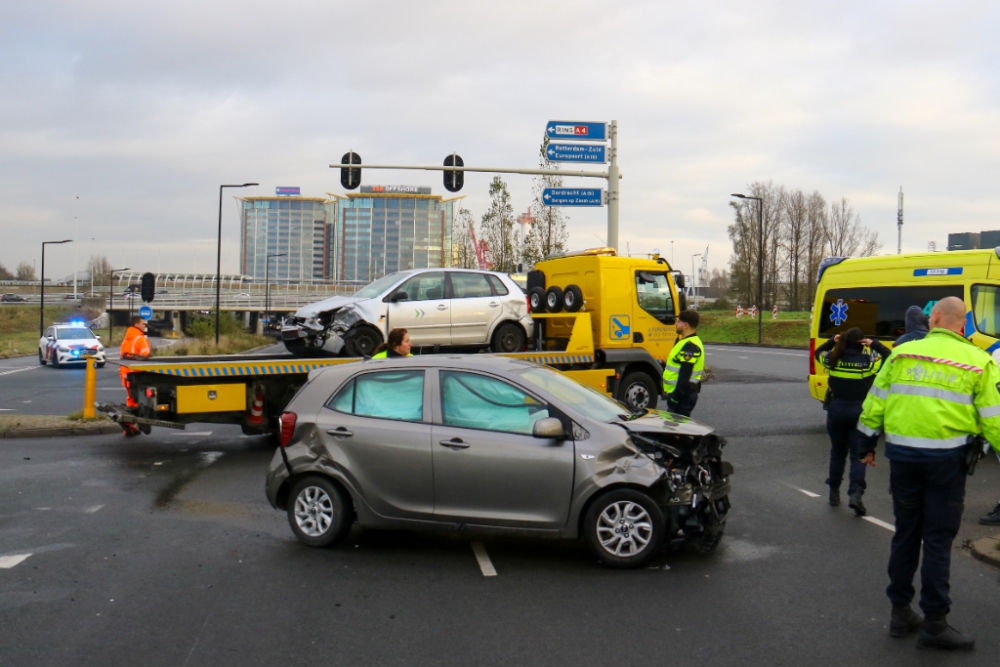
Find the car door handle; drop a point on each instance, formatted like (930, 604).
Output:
(441, 306)
(493, 304)
(341, 431)
(457, 443)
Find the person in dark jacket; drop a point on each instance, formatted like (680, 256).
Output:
(917, 325)
(852, 362)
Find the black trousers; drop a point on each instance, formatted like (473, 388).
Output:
(681, 403)
(845, 441)
(927, 499)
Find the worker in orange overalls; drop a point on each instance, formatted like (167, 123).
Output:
(135, 345)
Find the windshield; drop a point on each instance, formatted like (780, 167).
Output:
(579, 396)
(74, 333)
(379, 286)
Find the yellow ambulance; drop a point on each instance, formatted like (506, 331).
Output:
(873, 293)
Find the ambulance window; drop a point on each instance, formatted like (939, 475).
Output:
(653, 292)
(878, 311)
(986, 309)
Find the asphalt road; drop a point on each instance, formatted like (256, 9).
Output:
(161, 550)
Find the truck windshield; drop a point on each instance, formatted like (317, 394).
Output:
(653, 292)
(578, 396)
(379, 286)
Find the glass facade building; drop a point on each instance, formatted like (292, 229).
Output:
(383, 229)
(300, 228)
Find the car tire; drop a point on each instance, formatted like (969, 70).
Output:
(573, 299)
(41, 359)
(362, 340)
(100, 364)
(508, 337)
(536, 299)
(318, 512)
(554, 299)
(55, 360)
(624, 528)
(638, 392)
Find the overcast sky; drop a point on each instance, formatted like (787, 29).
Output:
(124, 117)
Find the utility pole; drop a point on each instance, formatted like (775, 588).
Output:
(613, 177)
(899, 223)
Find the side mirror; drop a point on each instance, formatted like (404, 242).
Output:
(682, 300)
(51, 337)
(97, 336)
(679, 280)
(550, 427)
(398, 296)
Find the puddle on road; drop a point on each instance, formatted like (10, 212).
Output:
(183, 477)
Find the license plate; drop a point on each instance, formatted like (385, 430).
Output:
(88, 353)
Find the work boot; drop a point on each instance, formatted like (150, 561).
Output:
(904, 620)
(834, 496)
(935, 633)
(854, 502)
(993, 518)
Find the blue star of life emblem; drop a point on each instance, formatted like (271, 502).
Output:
(838, 312)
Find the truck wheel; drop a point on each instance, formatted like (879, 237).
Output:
(318, 512)
(508, 337)
(554, 299)
(536, 299)
(41, 359)
(362, 340)
(637, 392)
(624, 528)
(573, 299)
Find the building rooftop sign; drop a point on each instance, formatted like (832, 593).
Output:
(396, 189)
(287, 190)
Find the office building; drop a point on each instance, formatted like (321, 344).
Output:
(298, 228)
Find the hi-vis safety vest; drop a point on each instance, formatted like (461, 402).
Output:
(135, 345)
(678, 356)
(934, 393)
(384, 354)
(854, 370)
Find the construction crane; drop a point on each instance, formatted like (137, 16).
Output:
(480, 254)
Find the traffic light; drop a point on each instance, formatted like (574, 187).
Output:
(454, 180)
(148, 289)
(350, 178)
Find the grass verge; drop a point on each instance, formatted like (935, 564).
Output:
(789, 330)
(232, 343)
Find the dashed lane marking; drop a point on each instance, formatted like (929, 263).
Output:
(19, 370)
(879, 522)
(808, 493)
(484, 560)
(94, 509)
(7, 562)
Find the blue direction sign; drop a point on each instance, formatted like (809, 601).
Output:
(573, 196)
(577, 130)
(145, 312)
(595, 153)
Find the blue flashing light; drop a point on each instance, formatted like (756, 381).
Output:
(76, 353)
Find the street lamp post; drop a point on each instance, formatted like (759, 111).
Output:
(694, 281)
(760, 264)
(111, 303)
(267, 288)
(41, 309)
(218, 260)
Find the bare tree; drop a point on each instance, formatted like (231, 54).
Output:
(745, 234)
(5, 274)
(463, 249)
(845, 236)
(795, 228)
(99, 270)
(548, 231)
(497, 227)
(26, 271)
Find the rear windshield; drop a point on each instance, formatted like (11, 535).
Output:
(878, 311)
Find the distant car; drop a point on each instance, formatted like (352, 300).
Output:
(75, 297)
(70, 343)
(244, 295)
(446, 307)
(12, 298)
(162, 291)
(482, 443)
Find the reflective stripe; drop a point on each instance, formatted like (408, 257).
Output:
(696, 376)
(926, 443)
(931, 392)
(670, 382)
(992, 411)
(867, 430)
(676, 369)
(878, 392)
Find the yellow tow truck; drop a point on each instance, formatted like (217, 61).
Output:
(603, 319)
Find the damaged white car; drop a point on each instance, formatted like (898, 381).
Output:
(438, 307)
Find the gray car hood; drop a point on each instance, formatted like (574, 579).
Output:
(325, 306)
(661, 421)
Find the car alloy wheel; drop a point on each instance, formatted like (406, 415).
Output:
(319, 511)
(624, 529)
(313, 511)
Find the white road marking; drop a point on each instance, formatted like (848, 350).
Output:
(808, 493)
(8, 409)
(92, 510)
(7, 562)
(879, 522)
(43, 508)
(193, 433)
(484, 560)
(19, 370)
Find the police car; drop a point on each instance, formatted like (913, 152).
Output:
(69, 343)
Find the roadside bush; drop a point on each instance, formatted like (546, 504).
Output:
(204, 327)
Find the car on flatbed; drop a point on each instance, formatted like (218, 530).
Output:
(488, 444)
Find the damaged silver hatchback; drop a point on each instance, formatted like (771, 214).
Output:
(438, 307)
(489, 444)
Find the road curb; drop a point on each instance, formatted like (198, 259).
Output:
(986, 550)
(60, 432)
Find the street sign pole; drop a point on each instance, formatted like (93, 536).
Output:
(613, 178)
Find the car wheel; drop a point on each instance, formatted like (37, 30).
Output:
(624, 528)
(55, 360)
(508, 337)
(318, 512)
(536, 299)
(41, 359)
(638, 392)
(100, 364)
(573, 299)
(554, 299)
(362, 340)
